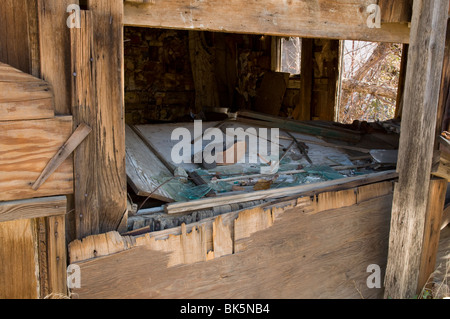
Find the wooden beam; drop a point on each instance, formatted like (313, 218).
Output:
(417, 138)
(33, 208)
(303, 18)
(433, 218)
(110, 120)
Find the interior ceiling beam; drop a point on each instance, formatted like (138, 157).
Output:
(303, 18)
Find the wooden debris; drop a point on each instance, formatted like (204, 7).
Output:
(175, 208)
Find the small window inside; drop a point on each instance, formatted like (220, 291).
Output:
(291, 55)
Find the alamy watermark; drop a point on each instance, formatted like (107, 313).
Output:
(74, 19)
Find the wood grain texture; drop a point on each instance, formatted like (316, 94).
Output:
(19, 269)
(33, 208)
(14, 40)
(85, 110)
(288, 260)
(433, 218)
(309, 19)
(57, 255)
(110, 144)
(54, 48)
(421, 96)
(24, 97)
(25, 149)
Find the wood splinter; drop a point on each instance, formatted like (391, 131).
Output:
(64, 152)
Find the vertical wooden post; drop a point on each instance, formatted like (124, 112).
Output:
(425, 60)
(111, 183)
(56, 254)
(85, 110)
(302, 111)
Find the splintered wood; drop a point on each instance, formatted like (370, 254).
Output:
(289, 259)
(224, 235)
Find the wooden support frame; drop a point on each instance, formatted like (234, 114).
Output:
(411, 196)
(304, 18)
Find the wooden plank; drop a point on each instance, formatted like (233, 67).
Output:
(298, 126)
(298, 249)
(55, 50)
(33, 208)
(433, 218)
(249, 222)
(175, 208)
(304, 18)
(57, 256)
(223, 238)
(110, 144)
(66, 150)
(334, 200)
(19, 269)
(146, 173)
(395, 11)
(23, 97)
(14, 45)
(371, 191)
(429, 23)
(85, 110)
(25, 149)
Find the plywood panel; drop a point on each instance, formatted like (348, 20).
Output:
(299, 256)
(25, 149)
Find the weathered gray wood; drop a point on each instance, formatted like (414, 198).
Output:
(302, 18)
(422, 84)
(145, 172)
(288, 260)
